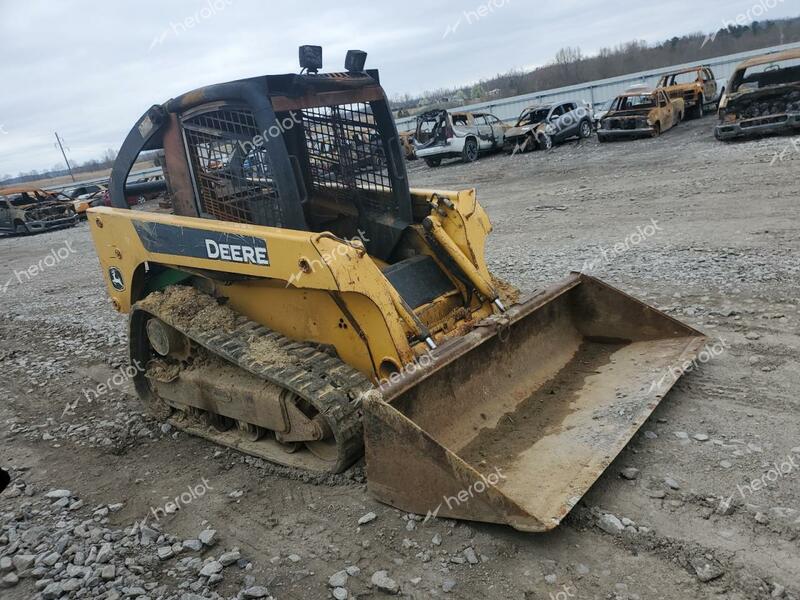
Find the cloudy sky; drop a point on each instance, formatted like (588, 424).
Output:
(89, 69)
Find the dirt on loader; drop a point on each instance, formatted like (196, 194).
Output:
(540, 415)
(190, 310)
(264, 349)
(509, 294)
(704, 503)
(194, 311)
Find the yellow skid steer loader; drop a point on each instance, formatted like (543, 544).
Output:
(303, 305)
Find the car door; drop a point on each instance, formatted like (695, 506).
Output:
(498, 128)
(709, 85)
(5, 214)
(485, 132)
(569, 123)
(554, 122)
(669, 116)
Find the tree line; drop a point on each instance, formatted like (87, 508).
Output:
(571, 67)
(59, 170)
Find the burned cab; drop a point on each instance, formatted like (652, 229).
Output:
(640, 114)
(30, 210)
(763, 97)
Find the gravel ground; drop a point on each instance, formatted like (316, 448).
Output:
(702, 504)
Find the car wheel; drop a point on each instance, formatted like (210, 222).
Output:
(700, 109)
(586, 129)
(21, 229)
(471, 151)
(433, 162)
(545, 142)
(656, 130)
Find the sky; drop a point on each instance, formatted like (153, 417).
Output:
(88, 70)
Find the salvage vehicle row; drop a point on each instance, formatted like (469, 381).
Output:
(761, 98)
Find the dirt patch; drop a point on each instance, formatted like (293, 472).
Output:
(189, 309)
(163, 371)
(540, 415)
(509, 294)
(264, 350)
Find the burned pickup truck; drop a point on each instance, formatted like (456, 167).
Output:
(763, 97)
(31, 210)
(640, 114)
(696, 85)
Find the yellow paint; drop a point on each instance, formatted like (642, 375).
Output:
(316, 287)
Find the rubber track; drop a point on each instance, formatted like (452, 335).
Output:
(334, 388)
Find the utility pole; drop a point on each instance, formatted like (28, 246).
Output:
(64, 154)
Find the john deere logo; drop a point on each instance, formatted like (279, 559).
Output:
(115, 275)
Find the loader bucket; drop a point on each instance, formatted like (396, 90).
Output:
(514, 421)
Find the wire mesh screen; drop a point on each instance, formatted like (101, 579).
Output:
(346, 155)
(233, 174)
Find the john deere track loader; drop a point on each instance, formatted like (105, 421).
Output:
(305, 306)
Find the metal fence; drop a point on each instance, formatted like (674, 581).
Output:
(596, 93)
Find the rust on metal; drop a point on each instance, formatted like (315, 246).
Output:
(541, 400)
(323, 99)
(177, 171)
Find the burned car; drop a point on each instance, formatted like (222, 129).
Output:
(541, 127)
(138, 193)
(30, 210)
(697, 86)
(638, 114)
(763, 97)
(441, 134)
(85, 192)
(84, 196)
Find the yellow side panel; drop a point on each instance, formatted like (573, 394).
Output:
(314, 315)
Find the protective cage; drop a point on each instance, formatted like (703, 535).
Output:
(232, 173)
(346, 155)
